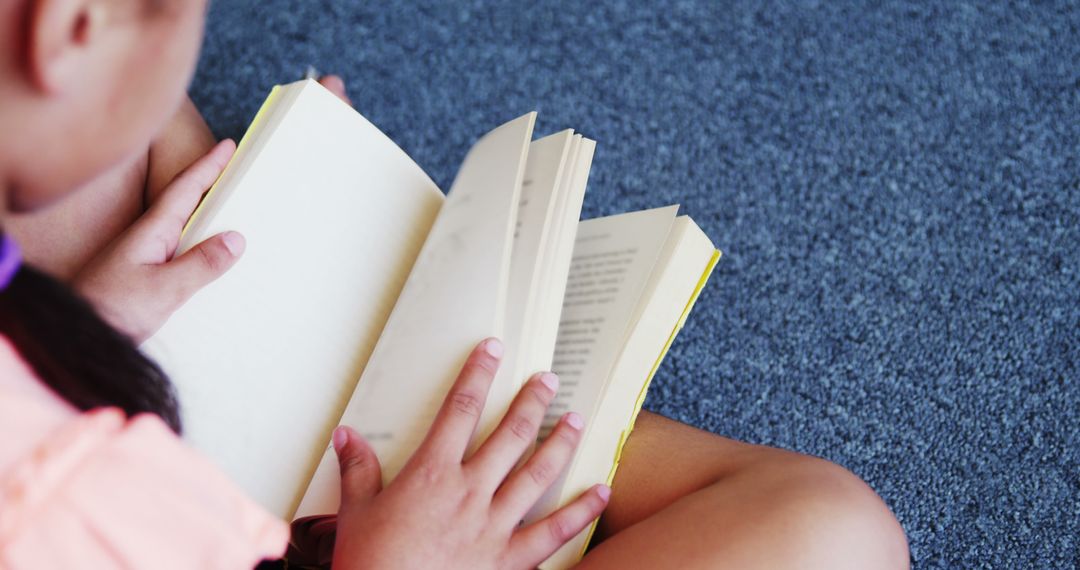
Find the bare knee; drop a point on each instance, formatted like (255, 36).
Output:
(687, 498)
(836, 518)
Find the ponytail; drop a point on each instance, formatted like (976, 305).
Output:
(76, 353)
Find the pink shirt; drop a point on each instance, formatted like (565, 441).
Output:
(96, 490)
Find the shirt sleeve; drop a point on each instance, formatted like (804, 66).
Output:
(102, 491)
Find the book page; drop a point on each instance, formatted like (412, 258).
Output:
(265, 358)
(613, 258)
(454, 297)
(612, 262)
(560, 254)
(260, 132)
(683, 265)
(540, 190)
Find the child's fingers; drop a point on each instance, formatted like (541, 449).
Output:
(335, 85)
(526, 485)
(457, 418)
(171, 211)
(361, 475)
(516, 433)
(200, 265)
(535, 543)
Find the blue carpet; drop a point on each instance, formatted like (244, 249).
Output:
(896, 189)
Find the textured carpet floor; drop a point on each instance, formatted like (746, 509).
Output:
(896, 189)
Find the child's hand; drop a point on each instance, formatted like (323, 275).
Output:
(336, 85)
(134, 283)
(447, 511)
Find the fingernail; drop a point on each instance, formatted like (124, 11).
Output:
(550, 380)
(340, 438)
(493, 347)
(573, 419)
(234, 242)
(604, 492)
(226, 143)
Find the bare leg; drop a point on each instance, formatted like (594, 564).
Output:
(186, 139)
(62, 238)
(685, 498)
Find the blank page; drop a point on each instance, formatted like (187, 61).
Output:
(559, 254)
(455, 297)
(535, 210)
(265, 358)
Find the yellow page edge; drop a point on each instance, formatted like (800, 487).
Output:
(244, 142)
(648, 380)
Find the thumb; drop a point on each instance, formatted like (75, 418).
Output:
(361, 476)
(202, 264)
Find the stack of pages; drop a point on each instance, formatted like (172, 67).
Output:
(363, 289)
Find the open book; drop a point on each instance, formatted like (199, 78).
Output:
(363, 289)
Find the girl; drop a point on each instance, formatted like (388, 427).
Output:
(92, 473)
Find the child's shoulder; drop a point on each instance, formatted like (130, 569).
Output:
(113, 491)
(29, 410)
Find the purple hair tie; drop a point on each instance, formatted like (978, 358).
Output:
(10, 260)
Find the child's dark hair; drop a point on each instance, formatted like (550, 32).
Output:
(77, 354)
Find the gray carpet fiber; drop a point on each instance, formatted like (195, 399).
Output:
(895, 186)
